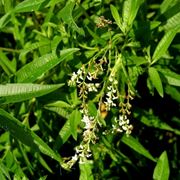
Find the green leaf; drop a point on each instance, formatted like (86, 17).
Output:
(163, 45)
(63, 135)
(173, 22)
(130, 9)
(167, 4)
(173, 92)
(153, 121)
(61, 104)
(136, 60)
(61, 111)
(44, 163)
(92, 109)
(13, 165)
(6, 64)
(96, 38)
(116, 17)
(154, 24)
(11, 93)
(25, 135)
(60, 107)
(67, 17)
(8, 5)
(34, 69)
(156, 81)
(161, 171)
(171, 77)
(136, 146)
(74, 118)
(33, 46)
(86, 170)
(4, 20)
(30, 5)
(4, 171)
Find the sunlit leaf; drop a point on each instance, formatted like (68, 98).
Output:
(167, 4)
(130, 9)
(86, 170)
(163, 45)
(4, 20)
(10, 93)
(161, 171)
(173, 22)
(30, 72)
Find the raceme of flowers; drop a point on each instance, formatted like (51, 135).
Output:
(86, 80)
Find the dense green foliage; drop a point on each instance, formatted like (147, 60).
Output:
(89, 89)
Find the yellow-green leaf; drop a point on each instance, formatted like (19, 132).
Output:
(161, 171)
(156, 81)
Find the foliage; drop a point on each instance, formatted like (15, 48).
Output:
(89, 89)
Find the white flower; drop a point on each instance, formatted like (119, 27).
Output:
(74, 76)
(75, 157)
(89, 76)
(79, 72)
(111, 79)
(88, 121)
(91, 87)
(115, 82)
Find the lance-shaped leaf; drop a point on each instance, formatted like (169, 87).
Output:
(116, 17)
(161, 171)
(163, 45)
(4, 20)
(173, 22)
(11, 93)
(4, 171)
(137, 146)
(34, 69)
(74, 118)
(130, 9)
(30, 5)
(171, 77)
(156, 81)
(63, 135)
(25, 135)
(165, 5)
(33, 46)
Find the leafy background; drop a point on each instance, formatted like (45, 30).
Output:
(42, 43)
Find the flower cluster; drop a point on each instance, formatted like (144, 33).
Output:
(76, 78)
(122, 124)
(79, 79)
(83, 152)
(86, 79)
(111, 95)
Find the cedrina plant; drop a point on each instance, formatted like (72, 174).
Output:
(89, 89)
